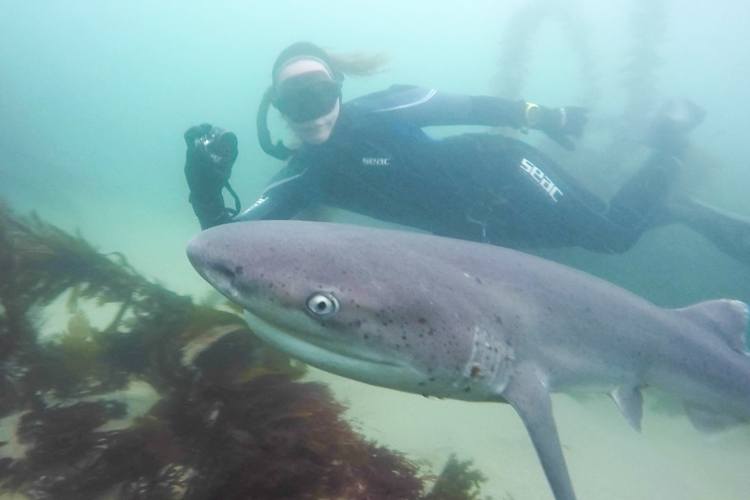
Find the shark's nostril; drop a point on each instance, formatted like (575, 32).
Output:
(223, 271)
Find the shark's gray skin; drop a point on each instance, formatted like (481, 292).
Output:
(455, 319)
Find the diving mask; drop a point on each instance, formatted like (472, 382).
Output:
(307, 97)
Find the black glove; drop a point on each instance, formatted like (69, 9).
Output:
(557, 123)
(211, 153)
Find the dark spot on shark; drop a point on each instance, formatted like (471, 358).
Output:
(238, 270)
(431, 331)
(467, 389)
(403, 337)
(498, 319)
(475, 371)
(476, 278)
(366, 337)
(422, 321)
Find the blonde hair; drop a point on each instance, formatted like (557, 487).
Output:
(351, 64)
(358, 63)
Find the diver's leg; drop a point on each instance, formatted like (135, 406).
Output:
(642, 202)
(646, 200)
(671, 125)
(729, 232)
(528, 201)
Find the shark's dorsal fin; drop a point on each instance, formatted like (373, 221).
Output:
(727, 318)
(630, 402)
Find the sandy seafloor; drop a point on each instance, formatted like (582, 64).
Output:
(606, 458)
(669, 460)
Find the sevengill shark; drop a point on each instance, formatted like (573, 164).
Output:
(455, 319)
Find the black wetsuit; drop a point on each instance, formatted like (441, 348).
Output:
(485, 187)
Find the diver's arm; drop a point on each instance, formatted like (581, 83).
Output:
(211, 153)
(276, 204)
(425, 107)
(455, 109)
(429, 107)
(290, 191)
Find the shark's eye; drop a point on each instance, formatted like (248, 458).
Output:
(322, 304)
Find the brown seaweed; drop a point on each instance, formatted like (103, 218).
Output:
(233, 419)
(457, 481)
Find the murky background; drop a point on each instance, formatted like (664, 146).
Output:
(94, 97)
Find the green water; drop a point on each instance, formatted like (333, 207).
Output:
(94, 97)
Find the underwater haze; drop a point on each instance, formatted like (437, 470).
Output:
(95, 97)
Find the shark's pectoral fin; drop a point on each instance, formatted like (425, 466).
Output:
(709, 421)
(630, 402)
(528, 395)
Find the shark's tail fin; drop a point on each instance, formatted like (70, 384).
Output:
(726, 318)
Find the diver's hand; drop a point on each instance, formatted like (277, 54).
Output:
(211, 153)
(560, 124)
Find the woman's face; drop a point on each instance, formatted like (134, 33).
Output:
(317, 130)
(309, 99)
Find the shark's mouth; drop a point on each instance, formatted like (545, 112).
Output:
(314, 349)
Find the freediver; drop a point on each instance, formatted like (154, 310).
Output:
(370, 155)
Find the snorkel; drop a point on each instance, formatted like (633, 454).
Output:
(277, 150)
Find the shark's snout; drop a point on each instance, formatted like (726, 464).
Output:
(195, 253)
(198, 255)
(211, 267)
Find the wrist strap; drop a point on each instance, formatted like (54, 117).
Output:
(237, 203)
